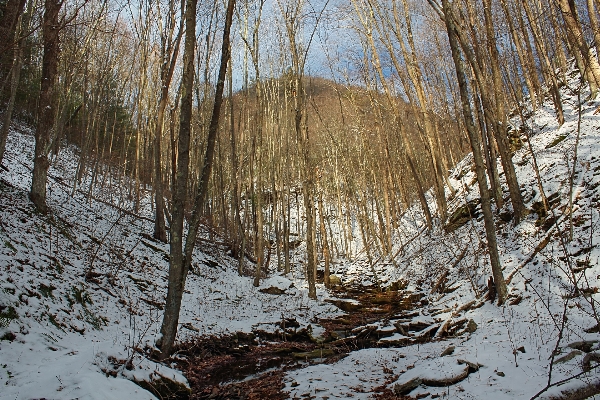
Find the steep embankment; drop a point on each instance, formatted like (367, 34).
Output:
(549, 326)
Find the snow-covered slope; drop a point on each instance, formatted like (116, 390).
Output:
(82, 287)
(554, 281)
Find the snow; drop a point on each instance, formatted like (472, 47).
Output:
(72, 334)
(75, 337)
(545, 283)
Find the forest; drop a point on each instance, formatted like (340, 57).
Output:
(249, 199)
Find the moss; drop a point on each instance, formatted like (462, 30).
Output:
(8, 336)
(96, 321)
(462, 215)
(7, 314)
(10, 290)
(9, 245)
(54, 321)
(556, 141)
(46, 291)
(80, 296)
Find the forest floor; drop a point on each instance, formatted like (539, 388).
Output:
(82, 291)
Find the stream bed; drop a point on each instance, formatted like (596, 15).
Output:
(252, 365)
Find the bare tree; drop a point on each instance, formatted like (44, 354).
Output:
(587, 60)
(169, 52)
(10, 12)
(181, 258)
(17, 61)
(447, 15)
(47, 107)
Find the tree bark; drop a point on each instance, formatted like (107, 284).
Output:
(324, 241)
(545, 63)
(181, 258)
(46, 107)
(177, 274)
(500, 122)
(591, 68)
(14, 79)
(477, 156)
(10, 11)
(529, 73)
(169, 58)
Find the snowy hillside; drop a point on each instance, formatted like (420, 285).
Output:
(82, 288)
(85, 285)
(549, 326)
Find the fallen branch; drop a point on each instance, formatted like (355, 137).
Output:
(465, 307)
(407, 243)
(582, 392)
(444, 328)
(121, 209)
(442, 279)
(537, 249)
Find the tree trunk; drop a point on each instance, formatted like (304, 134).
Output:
(529, 73)
(169, 58)
(500, 122)
(10, 11)
(180, 260)
(14, 82)
(546, 65)
(594, 24)
(46, 106)
(591, 68)
(324, 241)
(177, 274)
(476, 148)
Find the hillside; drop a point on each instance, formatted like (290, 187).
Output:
(83, 288)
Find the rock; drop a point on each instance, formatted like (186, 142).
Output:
(347, 305)
(439, 372)
(462, 215)
(272, 290)
(473, 367)
(317, 353)
(471, 326)
(398, 285)
(276, 285)
(407, 387)
(335, 280)
(396, 340)
(506, 216)
(513, 301)
(585, 345)
(448, 351)
(587, 361)
(568, 357)
(447, 377)
(500, 373)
